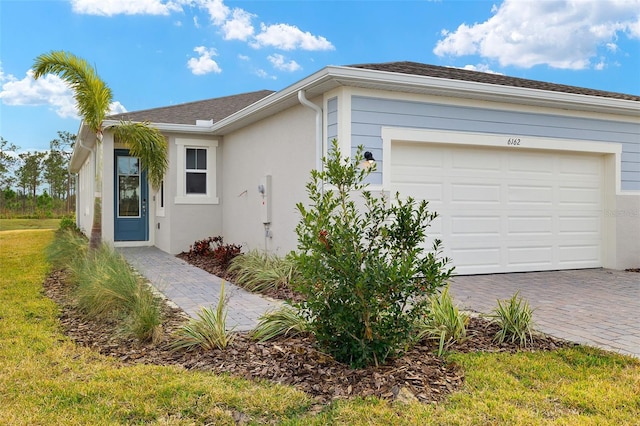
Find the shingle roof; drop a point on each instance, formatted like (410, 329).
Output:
(219, 108)
(416, 68)
(209, 109)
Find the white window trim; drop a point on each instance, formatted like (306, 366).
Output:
(211, 197)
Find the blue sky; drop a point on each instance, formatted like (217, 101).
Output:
(155, 53)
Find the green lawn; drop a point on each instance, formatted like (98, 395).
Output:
(45, 379)
(13, 224)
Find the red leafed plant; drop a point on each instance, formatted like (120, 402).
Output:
(215, 247)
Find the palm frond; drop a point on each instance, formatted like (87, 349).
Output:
(93, 96)
(146, 143)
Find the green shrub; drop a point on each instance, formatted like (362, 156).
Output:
(515, 318)
(260, 271)
(68, 222)
(67, 247)
(444, 323)
(364, 271)
(106, 287)
(286, 321)
(145, 319)
(208, 331)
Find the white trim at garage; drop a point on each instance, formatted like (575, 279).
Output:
(509, 203)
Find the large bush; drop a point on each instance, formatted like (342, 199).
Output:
(365, 272)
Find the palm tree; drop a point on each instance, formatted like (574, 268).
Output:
(93, 99)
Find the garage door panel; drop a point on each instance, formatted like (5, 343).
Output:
(530, 194)
(415, 173)
(531, 164)
(579, 225)
(571, 196)
(484, 258)
(522, 226)
(485, 226)
(408, 153)
(535, 257)
(433, 192)
(582, 255)
(579, 166)
(506, 210)
(475, 193)
(435, 230)
(475, 160)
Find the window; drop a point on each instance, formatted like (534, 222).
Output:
(196, 171)
(159, 197)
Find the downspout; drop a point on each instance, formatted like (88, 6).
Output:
(319, 145)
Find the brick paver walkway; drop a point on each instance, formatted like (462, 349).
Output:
(192, 288)
(596, 307)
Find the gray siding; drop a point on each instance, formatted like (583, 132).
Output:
(332, 119)
(370, 114)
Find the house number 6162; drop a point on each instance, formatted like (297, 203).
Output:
(513, 141)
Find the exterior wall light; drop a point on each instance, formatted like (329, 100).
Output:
(368, 156)
(368, 160)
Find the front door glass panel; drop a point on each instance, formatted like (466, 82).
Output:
(128, 186)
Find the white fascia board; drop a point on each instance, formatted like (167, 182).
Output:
(169, 127)
(385, 80)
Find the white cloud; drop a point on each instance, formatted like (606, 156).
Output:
(263, 74)
(47, 90)
(278, 61)
(217, 10)
(481, 68)
(124, 7)
(239, 26)
(116, 108)
(289, 37)
(562, 34)
(204, 64)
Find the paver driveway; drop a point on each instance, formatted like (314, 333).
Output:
(597, 307)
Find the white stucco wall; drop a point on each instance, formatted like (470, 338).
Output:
(84, 196)
(627, 216)
(282, 146)
(182, 224)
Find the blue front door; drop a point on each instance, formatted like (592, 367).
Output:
(131, 198)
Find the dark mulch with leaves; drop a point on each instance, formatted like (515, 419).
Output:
(294, 361)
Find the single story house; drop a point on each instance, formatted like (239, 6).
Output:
(525, 175)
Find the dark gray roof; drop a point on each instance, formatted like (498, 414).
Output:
(209, 109)
(416, 68)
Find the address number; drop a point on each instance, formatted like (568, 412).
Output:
(513, 141)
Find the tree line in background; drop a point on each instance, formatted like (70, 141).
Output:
(37, 184)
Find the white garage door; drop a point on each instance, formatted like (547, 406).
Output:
(506, 210)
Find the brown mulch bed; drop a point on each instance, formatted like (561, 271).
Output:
(292, 361)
